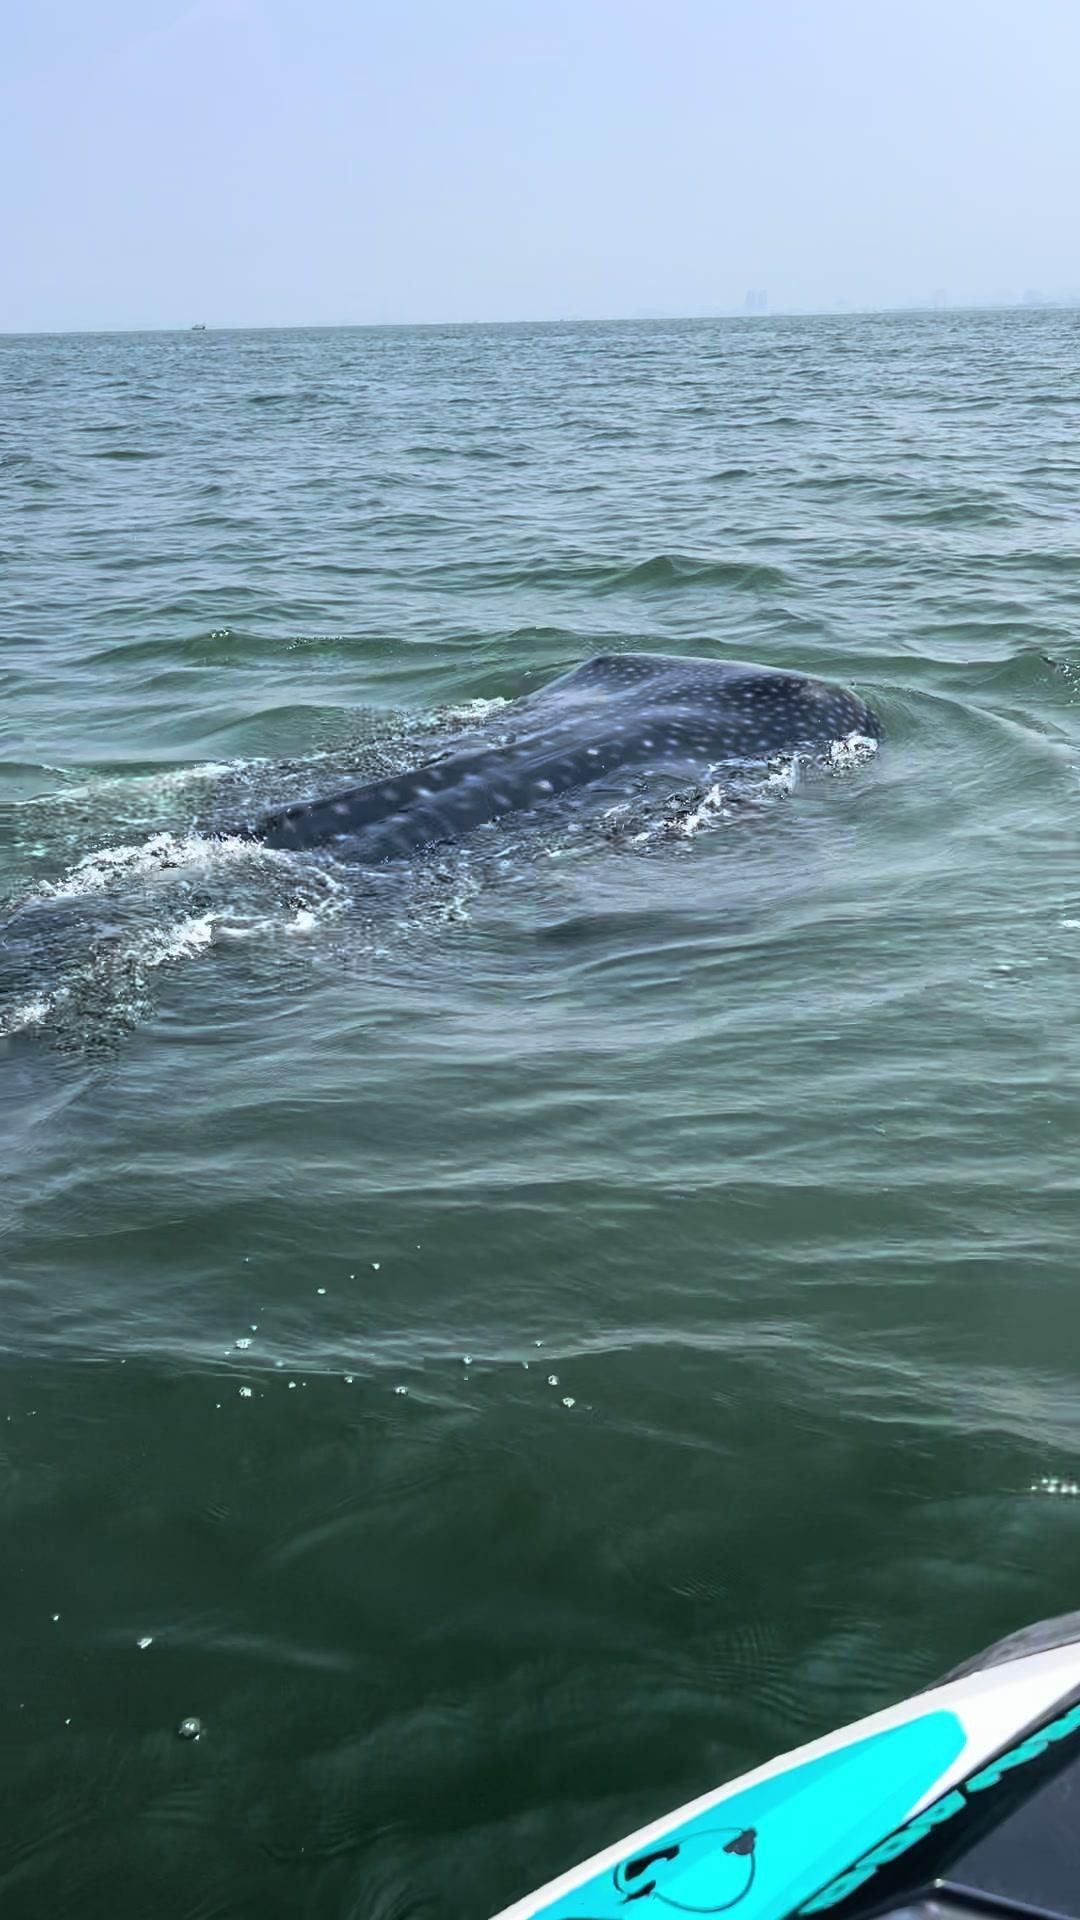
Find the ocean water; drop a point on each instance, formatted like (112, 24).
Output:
(510, 1340)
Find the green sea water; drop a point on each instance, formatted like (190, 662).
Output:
(509, 1341)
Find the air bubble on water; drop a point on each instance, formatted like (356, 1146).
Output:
(1055, 1485)
(349, 1378)
(553, 1379)
(320, 1289)
(375, 1265)
(401, 1390)
(146, 1641)
(190, 1729)
(245, 1393)
(569, 1401)
(243, 1343)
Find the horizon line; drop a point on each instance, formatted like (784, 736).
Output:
(1025, 305)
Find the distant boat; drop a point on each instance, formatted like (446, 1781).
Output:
(199, 327)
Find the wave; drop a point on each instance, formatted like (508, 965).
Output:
(576, 571)
(687, 570)
(125, 453)
(954, 513)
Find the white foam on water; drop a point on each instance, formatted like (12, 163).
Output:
(180, 942)
(783, 776)
(709, 810)
(242, 891)
(28, 1015)
(852, 751)
(466, 712)
(162, 853)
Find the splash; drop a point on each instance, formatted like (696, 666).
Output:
(163, 853)
(711, 808)
(29, 1014)
(84, 949)
(852, 752)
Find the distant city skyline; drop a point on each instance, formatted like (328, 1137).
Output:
(243, 164)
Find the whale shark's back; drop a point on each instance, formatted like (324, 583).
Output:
(617, 712)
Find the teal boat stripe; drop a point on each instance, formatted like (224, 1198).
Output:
(760, 1851)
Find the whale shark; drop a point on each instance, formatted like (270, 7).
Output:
(608, 721)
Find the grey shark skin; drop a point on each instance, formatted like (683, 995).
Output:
(624, 713)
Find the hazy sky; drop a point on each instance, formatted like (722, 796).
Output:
(288, 161)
